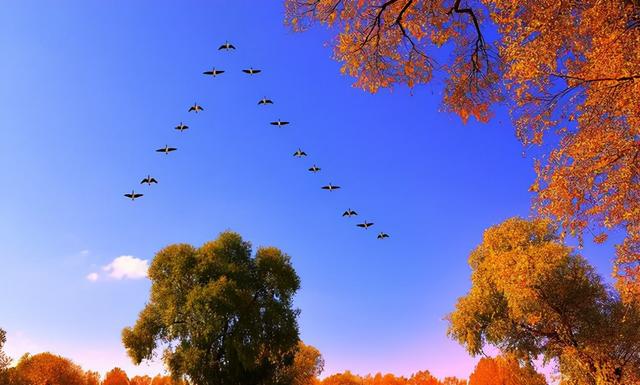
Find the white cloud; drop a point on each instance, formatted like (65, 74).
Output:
(123, 267)
(127, 267)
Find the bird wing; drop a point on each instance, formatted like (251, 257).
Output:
(303, 153)
(274, 123)
(246, 71)
(326, 187)
(219, 72)
(361, 225)
(199, 108)
(283, 123)
(171, 149)
(153, 180)
(268, 101)
(137, 195)
(257, 71)
(336, 187)
(231, 46)
(207, 73)
(128, 195)
(145, 180)
(346, 213)
(160, 150)
(191, 109)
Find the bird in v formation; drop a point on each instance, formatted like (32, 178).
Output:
(214, 72)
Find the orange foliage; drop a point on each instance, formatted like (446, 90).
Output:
(49, 369)
(419, 378)
(116, 376)
(504, 371)
(571, 69)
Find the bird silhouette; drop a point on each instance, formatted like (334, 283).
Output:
(133, 196)
(252, 71)
(349, 213)
(181, 127)
(330, 187)
(365, 225)
(148, 180)
(383, 235)
(264, 100)
(226, 46)
(279, 123)
(314, 169)
(214, 72)
(299, 153)
(196, 108)
(166, 149)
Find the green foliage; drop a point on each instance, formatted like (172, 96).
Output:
(221, 315)
(531, 295)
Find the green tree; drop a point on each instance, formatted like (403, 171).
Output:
(222, 316)
(532, 295)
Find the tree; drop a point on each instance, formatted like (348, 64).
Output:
(47, 369)
(571, 69)
(346, 378)
(223, 316)
(308, 364)
(4, 359)
(505, 370)
(140, 380)
(533, 296)
(116, 376)
(92, 378)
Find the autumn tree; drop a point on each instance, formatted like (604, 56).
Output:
(346, 378)
(47, 369)
(222, 315)
(505, 370)
(140, 380)
(568, 69)
(116, 376)
(92, 378)
(4, 359)
(533, 296)
(308, 364)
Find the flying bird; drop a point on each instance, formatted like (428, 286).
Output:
(314, 169)
(365, 225)
(166, 149)
(265, 101)
(251, 71)
(148, 180)
(181, 127)
(214, 72)
(330, 187)
(299, 153)
(133, 195)
(279, 123)
(226, 46)
(349, 213)
(383, 235)
(196, 108)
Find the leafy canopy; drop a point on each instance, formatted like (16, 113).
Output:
(221, 315)
(533, 296)
(569, 68)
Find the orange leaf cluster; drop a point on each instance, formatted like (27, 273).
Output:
(568, 71)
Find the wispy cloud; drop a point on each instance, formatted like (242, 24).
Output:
(123, 267)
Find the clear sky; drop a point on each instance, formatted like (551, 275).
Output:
(88, 91)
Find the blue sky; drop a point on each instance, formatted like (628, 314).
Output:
(91, 89)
